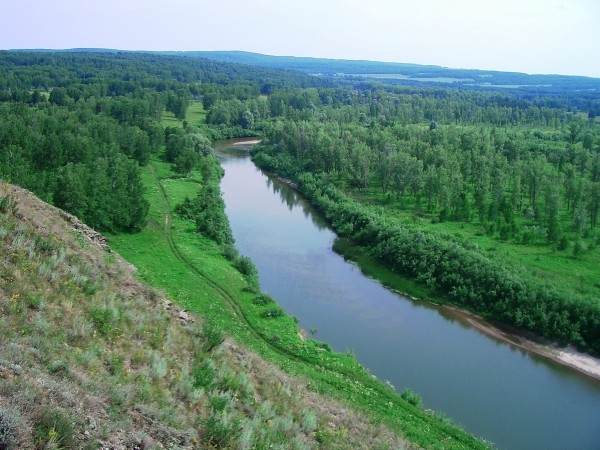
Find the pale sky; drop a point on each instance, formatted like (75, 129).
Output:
(532, 36)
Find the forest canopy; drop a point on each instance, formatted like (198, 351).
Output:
(452, 186)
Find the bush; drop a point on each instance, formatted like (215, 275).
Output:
(9, 422)
(8, 205)
(412, 398)
(53, 428)
(203, 374)
(272, 312)
(102, 318)
(212, 337)
(263, 299)
(230, 252)
(220, 431)
(245, 266)
(59, 367)
(563, 243)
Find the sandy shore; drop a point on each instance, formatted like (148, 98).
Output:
(248, 142)
(568, 357)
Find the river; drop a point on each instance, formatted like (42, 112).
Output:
(494, 390)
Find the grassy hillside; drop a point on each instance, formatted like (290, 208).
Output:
(90, 357)
(192, 270)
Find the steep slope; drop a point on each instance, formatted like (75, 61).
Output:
(91, 358)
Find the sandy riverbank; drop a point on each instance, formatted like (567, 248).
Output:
(568, 356)
(248, 142)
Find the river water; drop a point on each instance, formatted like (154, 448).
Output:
(496, 391)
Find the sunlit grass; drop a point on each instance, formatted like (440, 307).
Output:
(195, 116)
(201, 280)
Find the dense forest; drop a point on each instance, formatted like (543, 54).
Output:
(418, 175)
(524, 173)
(76, 126)
(120, 140)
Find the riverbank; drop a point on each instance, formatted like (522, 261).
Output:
(568, 356)
(192, 270)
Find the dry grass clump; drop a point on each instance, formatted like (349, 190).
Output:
(90, 358)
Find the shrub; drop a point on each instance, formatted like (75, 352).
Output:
(220, 431)
(34, 302)
(203, 374)
(263, 299)
(59, 367)
(102, 319)
(412, 398)
(230, 252)
(218, 403)
(8, 205)
(52, 428)
(9, 422)
(272, 312)
(563, 243)
(245, 266)
(578, 249)
(212, 337)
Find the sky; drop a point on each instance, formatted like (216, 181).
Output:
(531, 36)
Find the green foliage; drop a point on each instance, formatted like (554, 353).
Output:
(215, 289)
(61, 159)
(230, 252)
(459, 271)
(246, 267)
(8, 205)
(563, 243)
(272, 312)
(220, 431)
(103, 318)
(412, 398)
(9, 426)
(213, 337)
(203, 374)
(58, 367)
(53, 428)
(263, 299)
(34, 301)
(578, 249)
(207, 210)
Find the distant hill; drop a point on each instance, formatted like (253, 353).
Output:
(389, 72)
(401, 73)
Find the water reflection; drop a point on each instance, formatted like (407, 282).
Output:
(510, 397)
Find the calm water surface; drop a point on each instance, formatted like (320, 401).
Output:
(498, 392)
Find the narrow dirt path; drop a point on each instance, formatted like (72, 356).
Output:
(232, 303)
(229, 299)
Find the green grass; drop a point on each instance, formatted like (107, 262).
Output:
(81, 367)
(195, 116)
(192, 271)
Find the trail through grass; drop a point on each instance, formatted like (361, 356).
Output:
(170, 255)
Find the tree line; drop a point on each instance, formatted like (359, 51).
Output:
(76, 127)
(523, 171)
(452, 268)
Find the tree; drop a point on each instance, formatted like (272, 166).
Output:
(178, 103)
(552, 210)
(70, 192)
(593, 205)
(185, 161)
